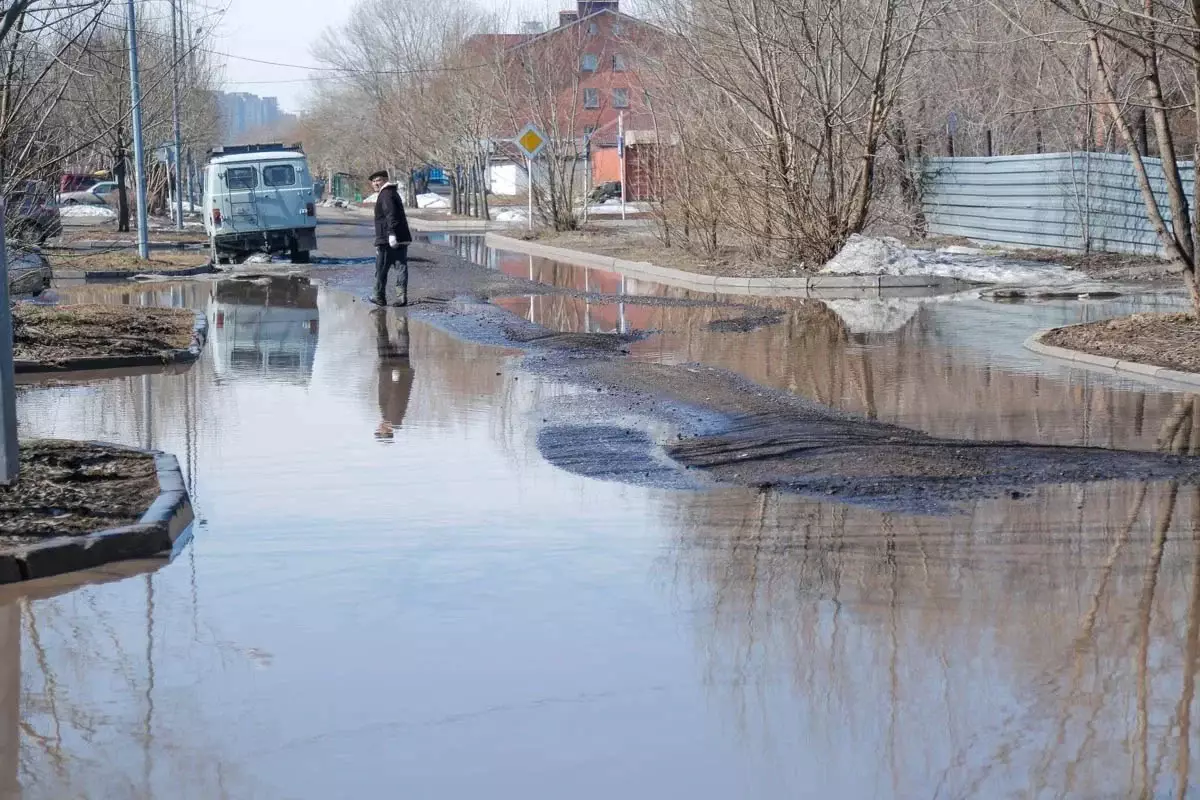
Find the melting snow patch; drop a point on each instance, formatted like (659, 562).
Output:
(510, 215)
(431, 200)
(864, 255)
(82, 211)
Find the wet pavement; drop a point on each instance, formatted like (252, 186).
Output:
(390, 591)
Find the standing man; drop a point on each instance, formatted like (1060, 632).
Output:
(392, 239)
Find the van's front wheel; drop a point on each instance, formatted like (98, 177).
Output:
(301, 257)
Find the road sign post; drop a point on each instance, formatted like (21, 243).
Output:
(621, 156)
(531, 141)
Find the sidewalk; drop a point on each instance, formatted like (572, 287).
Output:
(815, 286)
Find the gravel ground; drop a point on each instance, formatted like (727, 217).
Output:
(53, 334)
(75, 488)
(1164, 340)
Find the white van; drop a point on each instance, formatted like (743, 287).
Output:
(259, 199)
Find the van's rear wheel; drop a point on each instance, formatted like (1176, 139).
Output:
(301, 257)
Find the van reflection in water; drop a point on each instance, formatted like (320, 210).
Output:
(265, 327)
(395, 372)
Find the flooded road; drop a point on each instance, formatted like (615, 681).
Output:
(390, 592)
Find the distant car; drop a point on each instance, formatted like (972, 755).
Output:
(96, 195)
(32, 213)
(605, 191)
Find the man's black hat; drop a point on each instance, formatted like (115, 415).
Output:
(383, 173)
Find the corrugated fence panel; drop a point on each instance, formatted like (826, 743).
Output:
(1065, 201)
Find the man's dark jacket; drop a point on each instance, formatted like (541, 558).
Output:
(390, 219)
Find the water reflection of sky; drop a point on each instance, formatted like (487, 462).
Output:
(449, 616)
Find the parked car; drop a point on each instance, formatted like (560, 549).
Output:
(259, 199)
(605, 191)
(32, 213)
(98, 194)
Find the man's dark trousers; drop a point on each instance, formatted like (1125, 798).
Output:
(386, 260)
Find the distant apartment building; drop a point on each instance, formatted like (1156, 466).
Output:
(243, 113)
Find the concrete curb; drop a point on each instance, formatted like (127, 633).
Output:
(184, 356)
(156, 532)
(454, 225)
(119, 275)
(1110, 365)
(809, 286)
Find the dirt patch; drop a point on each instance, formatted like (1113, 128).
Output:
(1164, 340)
(125, 260)
(73, 489)
(728, 261)
(156, 237)
(55, 334)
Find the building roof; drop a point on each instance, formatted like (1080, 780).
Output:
(506, 41)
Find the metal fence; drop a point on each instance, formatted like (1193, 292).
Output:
(1081, 202)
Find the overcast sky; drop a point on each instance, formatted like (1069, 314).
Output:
(284, 30)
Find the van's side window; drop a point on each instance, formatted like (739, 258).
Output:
(241, 178)
(279, 175)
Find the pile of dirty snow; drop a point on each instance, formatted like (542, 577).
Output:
(370, 199)
(431, 200)
(510, 215)
(865, 255)
(613, 206)
(90, 212)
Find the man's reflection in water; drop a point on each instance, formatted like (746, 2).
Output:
(395, 373)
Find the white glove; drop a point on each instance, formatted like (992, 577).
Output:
(393, 242)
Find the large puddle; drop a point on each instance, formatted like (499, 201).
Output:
(390, 593)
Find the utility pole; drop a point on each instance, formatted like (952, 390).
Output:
(175, 116)
(139, 152)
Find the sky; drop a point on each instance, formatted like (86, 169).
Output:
(283, 31)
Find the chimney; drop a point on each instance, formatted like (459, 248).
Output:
(567, 17)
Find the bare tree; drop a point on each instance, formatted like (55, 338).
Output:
(1145, 56)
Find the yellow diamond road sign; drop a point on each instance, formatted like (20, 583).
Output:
(531, 140)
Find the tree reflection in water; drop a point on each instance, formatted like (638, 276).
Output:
(1045, 645)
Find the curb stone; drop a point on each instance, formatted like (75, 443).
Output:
(155, 532)
(1105, 363)
(185, 356)
(807, 286)
(111, 275)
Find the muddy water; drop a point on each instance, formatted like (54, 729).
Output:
(389, 593)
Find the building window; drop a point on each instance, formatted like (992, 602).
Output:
(591, 98)
(619, 63)
(617, 29)
(620, 98)
(646, 98)
(593, 29)
(589, 131)
(241, 178)
(279, 175)
(590, 62)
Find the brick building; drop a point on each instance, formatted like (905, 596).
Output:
(589, 65)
